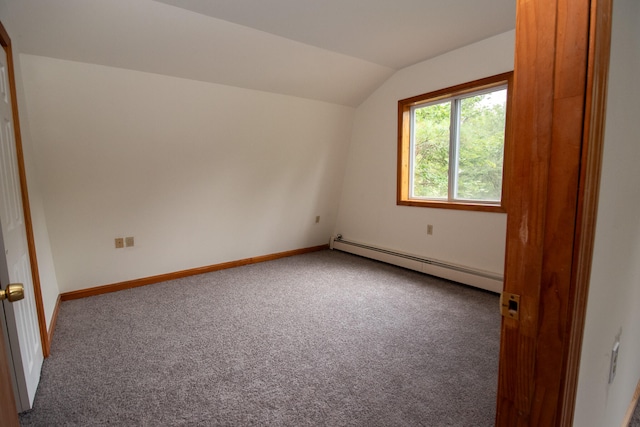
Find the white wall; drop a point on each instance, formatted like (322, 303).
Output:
(368, 211)
(198, 173)
(614, 295)
(48, 281)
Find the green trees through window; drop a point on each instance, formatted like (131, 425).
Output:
(431, 136)
(451, 145)
(468, 131)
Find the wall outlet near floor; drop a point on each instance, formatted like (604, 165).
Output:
(128, 241)
(429, 229)
(119, 242)
(614, 361)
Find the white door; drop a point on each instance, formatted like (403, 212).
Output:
(21, 316)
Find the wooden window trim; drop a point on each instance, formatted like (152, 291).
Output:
(404, 143)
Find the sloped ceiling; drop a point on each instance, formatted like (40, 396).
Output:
(337, 51)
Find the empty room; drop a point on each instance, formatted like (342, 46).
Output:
(296, 212)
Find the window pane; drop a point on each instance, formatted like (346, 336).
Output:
(481, 146)
(431, 150)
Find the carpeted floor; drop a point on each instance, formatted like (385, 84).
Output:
(635, 419)
(324, 338)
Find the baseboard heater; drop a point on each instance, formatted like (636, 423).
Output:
(469, 276)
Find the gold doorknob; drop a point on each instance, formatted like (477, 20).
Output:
(13, 293)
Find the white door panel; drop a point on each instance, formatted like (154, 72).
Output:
(21, 316)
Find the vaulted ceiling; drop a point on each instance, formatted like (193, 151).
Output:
(336, 51)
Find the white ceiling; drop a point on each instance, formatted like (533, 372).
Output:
(337, 51)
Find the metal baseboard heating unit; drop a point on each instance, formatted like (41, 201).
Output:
(469, 276)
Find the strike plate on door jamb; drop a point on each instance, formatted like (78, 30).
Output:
(510, 305)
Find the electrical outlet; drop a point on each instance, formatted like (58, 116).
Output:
(128, 241)
(318, 219)
(614, 361)
(429, 229)
(119, 242)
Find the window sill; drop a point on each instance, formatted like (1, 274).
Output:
(464, 206)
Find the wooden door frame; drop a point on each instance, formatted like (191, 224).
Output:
(560, 88)
(8, 413)
(5, 41)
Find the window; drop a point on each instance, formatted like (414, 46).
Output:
(451, 146)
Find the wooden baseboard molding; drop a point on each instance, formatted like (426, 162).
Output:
(632, 407)
(83, 293)
(52, 326)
